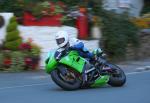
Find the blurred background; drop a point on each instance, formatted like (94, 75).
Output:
(27, 29)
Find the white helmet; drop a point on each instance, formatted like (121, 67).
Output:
(62, 38)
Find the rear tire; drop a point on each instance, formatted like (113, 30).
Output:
(118, 79)
(56, 77)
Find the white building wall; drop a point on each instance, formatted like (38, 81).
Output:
(110, 4)
(135, 6)
(6, 17)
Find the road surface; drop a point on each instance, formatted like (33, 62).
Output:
(34, 87)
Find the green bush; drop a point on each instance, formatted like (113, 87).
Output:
(35, 50)
(68, 21)
(12, 27)
(17, 61)
(12, 39)
(12, 19)
(118, 32)
(12, 35)
(146, 7)
(69, 3)
(13, 45)
(11, 6)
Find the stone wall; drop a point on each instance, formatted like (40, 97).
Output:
(144, 49)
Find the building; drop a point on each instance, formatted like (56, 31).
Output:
(133, 7)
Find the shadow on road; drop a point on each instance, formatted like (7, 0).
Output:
(102, 88)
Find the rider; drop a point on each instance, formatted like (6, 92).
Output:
(63, 41)
(64, 44)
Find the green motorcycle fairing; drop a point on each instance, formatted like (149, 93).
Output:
(101, 81)
(74, 61)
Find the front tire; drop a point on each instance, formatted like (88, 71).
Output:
(61, 81)
(118, 78)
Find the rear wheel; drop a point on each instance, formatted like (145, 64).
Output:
(68, 81)
(118, 77)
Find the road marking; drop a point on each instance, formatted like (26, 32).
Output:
(137, 72)
(39, 77)
(30, 85)
(40, 84)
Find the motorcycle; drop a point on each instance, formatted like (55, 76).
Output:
(72, 71)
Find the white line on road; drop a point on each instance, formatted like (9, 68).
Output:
(30, 85)
(137, 72)
(39, 77)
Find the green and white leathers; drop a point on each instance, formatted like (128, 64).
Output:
(72, 71)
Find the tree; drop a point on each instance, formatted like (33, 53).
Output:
(12, 39)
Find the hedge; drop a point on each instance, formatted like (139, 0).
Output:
(118, 32)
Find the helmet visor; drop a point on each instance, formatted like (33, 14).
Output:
(60, 41)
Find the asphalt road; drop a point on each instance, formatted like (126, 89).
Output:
(32, 87)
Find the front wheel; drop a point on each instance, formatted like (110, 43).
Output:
(118, 77)
(68, 81)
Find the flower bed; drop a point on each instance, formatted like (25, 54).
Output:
(30, 20)
(44, 14)
(16, 55)
(142, 22)
(26, 58)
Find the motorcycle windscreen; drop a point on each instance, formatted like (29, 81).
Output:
(51, 63)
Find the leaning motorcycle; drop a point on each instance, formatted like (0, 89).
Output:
(72, 71)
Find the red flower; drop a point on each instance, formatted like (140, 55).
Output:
(7, 62)
(25, 46)
(28, 61)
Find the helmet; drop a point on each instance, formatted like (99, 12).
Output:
(62, 38)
